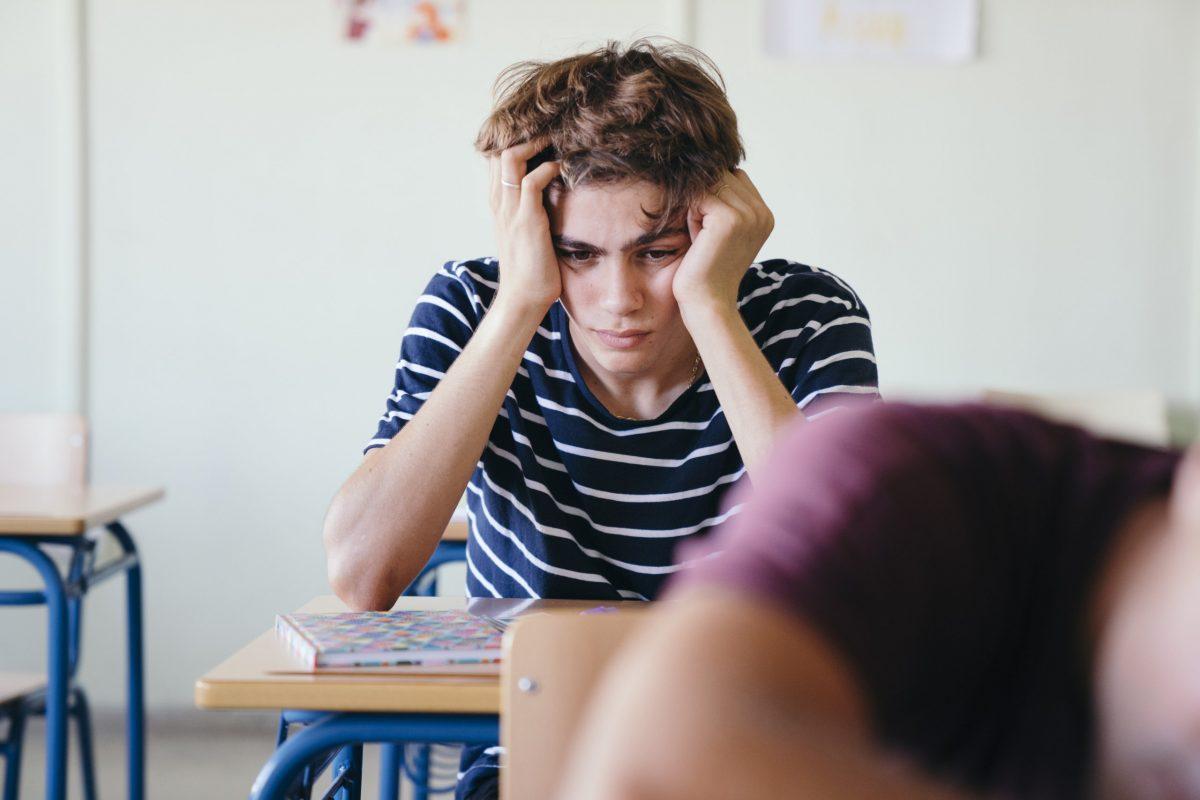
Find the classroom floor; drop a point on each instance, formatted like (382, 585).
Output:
(191, 755)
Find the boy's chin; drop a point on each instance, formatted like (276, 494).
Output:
(627, 365)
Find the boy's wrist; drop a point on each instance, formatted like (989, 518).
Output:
(701, 311)
(518, 314)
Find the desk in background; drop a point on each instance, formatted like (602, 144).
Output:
(34, 521)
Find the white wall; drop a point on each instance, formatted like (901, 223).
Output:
(268, 201)
(1194, 357)
(39, 309)
(1023, 221)
(40, 244)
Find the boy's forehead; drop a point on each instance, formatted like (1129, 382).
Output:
(604, 209)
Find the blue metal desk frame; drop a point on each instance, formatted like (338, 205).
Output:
(63, 598)
(336, 739)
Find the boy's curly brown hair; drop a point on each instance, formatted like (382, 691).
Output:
(654, 110)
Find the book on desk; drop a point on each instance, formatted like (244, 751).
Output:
(344, 640)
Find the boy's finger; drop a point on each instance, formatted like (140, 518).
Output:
(535, 183)
(745, 181)
(493, 182)
(512, 160)
(732, 193)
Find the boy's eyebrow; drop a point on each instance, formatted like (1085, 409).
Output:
(644, 239)
(651, 236)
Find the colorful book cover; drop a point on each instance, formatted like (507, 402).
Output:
(384, 638)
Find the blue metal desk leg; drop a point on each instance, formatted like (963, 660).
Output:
(83, 725)
(16, 735)
(339, 730)
(135, 650)
(56, 659)
(390, 756)
(420, 773)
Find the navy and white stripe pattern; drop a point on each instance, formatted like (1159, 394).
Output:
(569, 501)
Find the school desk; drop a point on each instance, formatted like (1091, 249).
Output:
(34, 522)
(404, 705)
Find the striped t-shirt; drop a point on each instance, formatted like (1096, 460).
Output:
(568, 500)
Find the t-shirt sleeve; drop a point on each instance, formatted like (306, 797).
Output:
(442, 322)
(820, 341)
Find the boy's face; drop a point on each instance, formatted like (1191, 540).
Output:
(616, 278)
(1149, 673)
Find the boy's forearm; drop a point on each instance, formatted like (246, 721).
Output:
(755, 402)
(388, 517)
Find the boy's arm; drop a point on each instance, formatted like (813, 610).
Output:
(720, 695)
(388, 517)
(728, 227)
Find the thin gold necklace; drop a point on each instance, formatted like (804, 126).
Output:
(692, 379)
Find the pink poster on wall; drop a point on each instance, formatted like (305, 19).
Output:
(392, 22)
(873, 30)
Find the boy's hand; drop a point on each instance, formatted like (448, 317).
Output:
(529, 277)
(728, 227)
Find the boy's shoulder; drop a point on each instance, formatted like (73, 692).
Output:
(777, 284)
(774, 273)
(464, 288)
(475, 273)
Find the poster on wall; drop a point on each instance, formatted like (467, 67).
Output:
(403, 22)
(873, 30)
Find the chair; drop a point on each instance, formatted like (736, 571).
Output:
(15, 688)
(43, 450)
(1133, 416)
(550, 666)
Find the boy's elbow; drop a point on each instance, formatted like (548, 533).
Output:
(368, 601)
(358, 584)
(359, 592)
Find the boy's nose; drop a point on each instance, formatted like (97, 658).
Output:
(622, 294)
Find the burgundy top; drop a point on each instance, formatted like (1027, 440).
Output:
(948, 552)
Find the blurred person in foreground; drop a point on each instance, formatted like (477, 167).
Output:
(625, 360)
(923, 602)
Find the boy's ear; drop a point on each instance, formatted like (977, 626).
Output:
(1185, 492)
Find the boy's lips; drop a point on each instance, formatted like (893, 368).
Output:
(622, 339)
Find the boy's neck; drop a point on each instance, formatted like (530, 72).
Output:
(640, 396)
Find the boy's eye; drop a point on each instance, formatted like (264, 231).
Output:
(575, 256)
(659, 255)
